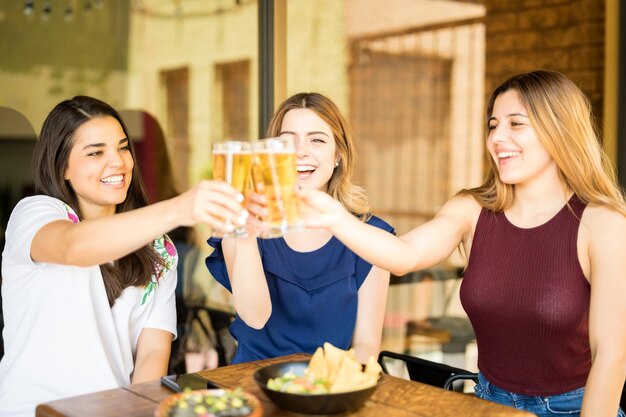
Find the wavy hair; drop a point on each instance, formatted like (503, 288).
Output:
(340, 185)
(562, 117)
(51, 156)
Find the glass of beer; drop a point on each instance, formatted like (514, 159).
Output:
(231, 164)
(274, 173)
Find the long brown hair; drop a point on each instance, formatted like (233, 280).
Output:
(562, 117)
(50, 158)
(340, 185)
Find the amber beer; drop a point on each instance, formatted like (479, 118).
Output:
(233, 168)
(274, 172)
(231, 164)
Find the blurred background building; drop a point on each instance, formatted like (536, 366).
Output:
(411, 76)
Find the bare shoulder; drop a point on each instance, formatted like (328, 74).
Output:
(602, 219)
(460, 212)
(603, 226)
(464, 206)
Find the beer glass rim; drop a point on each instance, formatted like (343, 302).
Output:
(231, 145)
(265, 144)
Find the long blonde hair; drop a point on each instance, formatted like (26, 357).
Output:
(561, 115)
(340, 185)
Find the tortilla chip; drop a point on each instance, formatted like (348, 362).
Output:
(352, 353)
(350, 378)
(334, 356)
(318, 367)
(372, 367)
(340, 370)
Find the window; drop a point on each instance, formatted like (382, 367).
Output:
(234, 79)
(176, 84)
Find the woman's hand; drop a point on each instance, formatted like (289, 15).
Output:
(256, 204)
(319, 209)
(212, 202)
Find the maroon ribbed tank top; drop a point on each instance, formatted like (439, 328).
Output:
(528, 300)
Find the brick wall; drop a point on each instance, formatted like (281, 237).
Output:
(561, 35)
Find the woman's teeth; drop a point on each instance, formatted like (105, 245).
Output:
(305, 168)
(113, 179)
(507, 154)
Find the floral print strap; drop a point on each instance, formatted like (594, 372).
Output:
(164, 247)
(71, 214)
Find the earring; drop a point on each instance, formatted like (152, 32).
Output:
(336, 164)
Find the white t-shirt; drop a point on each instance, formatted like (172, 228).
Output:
(61, 336)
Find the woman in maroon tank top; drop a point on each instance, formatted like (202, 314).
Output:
(545, 238)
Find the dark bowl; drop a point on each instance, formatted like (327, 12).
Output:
(166, 406)
(309, 403)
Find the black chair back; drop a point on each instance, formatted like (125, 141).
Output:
(425, 371)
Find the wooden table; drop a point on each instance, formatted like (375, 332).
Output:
(394, 397)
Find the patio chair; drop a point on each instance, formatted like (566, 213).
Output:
(428, 372)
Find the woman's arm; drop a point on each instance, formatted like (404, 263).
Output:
(370, 314)
(153, 355)
(422, 247)
(607, 332)
(97, 241)
(251, 296)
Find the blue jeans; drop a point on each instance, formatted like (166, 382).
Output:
(567, 404)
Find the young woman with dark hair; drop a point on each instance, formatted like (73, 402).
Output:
(88, 272)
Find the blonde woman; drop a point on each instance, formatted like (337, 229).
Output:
(292, 294)
(545, 237)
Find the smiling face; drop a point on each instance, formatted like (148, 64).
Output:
(518, 153)
(100, 166)
(315, 147)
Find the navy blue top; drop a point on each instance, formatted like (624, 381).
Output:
(314, 297)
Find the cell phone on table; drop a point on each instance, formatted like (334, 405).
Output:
(182, 382)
